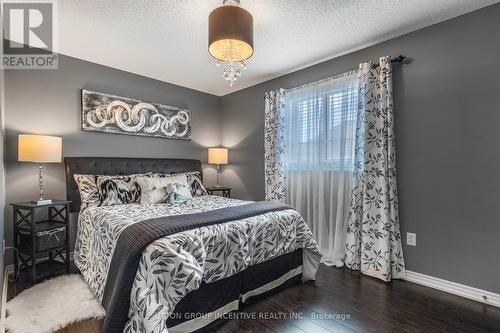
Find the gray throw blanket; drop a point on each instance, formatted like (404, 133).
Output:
(136, 237)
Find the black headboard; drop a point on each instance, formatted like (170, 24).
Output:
(119, 166)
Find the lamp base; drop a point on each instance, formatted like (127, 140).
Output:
(42, 202)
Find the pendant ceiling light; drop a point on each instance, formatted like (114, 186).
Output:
(230, 38)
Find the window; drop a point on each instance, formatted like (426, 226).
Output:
(320, 125)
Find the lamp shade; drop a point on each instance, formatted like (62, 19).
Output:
(230, 34)
(39, 148)
(217, 155)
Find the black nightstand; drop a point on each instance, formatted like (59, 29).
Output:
(41, 239)
(226, 191)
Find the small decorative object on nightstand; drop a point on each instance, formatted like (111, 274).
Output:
(43, 245)
(226, 191)
(217, 156)
(39, 149)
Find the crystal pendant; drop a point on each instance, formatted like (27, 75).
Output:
(231, 70)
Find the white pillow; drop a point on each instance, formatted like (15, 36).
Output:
(154, 189)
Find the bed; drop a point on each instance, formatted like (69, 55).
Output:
(188, 280)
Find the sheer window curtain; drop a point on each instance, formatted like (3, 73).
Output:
(319, 136)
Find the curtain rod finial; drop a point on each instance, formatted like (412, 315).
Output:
(400, 58)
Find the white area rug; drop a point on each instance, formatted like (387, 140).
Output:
(51, 305)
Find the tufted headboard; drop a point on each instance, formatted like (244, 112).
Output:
(119, 166)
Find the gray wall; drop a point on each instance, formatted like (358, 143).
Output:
(49, 102)
(448, 142)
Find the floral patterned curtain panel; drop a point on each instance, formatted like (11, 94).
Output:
(373, 237)
(274, 144)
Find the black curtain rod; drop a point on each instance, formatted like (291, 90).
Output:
(399, 58)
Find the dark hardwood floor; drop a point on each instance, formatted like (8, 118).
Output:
(350, 302)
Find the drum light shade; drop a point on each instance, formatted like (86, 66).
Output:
(39, 148)
(217, 155)
(230, 34)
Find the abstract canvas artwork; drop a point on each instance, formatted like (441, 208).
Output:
(121, 115)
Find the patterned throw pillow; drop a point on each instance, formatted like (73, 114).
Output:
(87, 186)
(118, 190)
(155, 189)
(177, 193)
(194, 181)
(195, 184)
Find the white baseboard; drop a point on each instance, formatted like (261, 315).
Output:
(4, 301)
(458, 289)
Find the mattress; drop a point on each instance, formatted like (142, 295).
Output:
(173, 266)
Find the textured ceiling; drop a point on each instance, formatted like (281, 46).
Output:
(167, 39)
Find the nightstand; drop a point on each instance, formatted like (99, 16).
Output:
(41, 236)
(226, 191)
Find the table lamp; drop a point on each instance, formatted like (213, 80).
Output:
(39, 149)
(217, 156)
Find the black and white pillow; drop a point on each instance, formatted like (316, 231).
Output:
(195, 184)
(194, 181)
(87, 186)
(119, 190)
